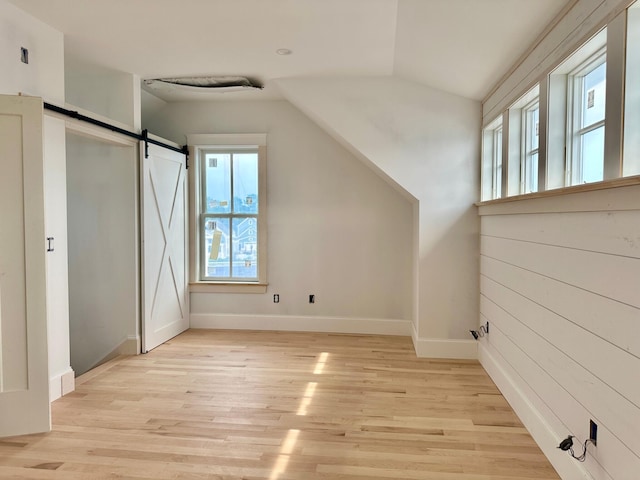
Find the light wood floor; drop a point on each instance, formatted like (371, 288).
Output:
(273, 406)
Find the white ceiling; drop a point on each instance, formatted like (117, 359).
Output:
(466, 46)
(461, 46)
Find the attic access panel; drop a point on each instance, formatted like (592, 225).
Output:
(220, 84)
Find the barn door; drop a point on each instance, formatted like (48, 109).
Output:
(24, 376)
(164, 246)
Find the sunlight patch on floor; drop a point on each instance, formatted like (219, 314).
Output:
(292, 436)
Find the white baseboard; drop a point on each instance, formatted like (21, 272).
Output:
(434, 348)
(444, 348)
(293, 323)
(539, 429)
(60, 385)
(131, 346)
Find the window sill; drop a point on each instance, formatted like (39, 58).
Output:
(620, 194)
(556, 192)
(220, 287)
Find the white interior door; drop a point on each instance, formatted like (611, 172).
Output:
(24, 375)
(164, 246)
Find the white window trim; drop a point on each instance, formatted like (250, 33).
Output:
(492, 156)
(575, 132)
(197, 143)
(497, 163)
(619, 35)
(517, 146)
(631, 103)
(527, 143)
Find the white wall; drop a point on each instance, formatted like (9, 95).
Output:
(150, 105)
(335, 229)
(60, 373)
(103, 248)
(560, 283)
(44, 75)
(109, 93)
(426, 143)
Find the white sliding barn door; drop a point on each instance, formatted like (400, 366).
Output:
(164, 246)
(24, 371)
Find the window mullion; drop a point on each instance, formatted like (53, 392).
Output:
(231, 217)
(615, 96)
(590, 128)
(203, 216)
(574, 90)
(203, 245)
(524, 142)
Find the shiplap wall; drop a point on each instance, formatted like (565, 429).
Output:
(560, 288)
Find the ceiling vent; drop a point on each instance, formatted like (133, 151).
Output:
(208, 84)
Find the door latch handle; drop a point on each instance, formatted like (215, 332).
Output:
(49, 244)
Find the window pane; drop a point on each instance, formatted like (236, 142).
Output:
(592, 149)
(533, 128)
(593, 96)
(491, 153)
(245, 248)
(217, 247)
(217, 168)
(245, 183)
(497, 163)
(531, 173)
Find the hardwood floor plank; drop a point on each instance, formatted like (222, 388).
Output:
(242, 405)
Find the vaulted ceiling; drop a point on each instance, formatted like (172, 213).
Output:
(460, 46)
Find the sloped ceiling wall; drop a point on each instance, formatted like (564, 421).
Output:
(466, 46)
(426, 142)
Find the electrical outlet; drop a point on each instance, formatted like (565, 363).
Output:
(593, 432)
(312, 299)
(276, 298)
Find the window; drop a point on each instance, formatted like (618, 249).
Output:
(229, 217)
(524, 133)
(229, 199)
(578, 126)
(576, 121)
(492, 160)
(585, 149)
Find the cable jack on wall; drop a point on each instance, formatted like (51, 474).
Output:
(481, 332)
(567, 445)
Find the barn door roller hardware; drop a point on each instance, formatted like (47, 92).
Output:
(141, 137)
(147, 140)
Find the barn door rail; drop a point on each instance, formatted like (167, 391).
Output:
(143, 137)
